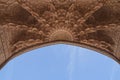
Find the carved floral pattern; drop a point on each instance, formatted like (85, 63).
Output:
(59, 20)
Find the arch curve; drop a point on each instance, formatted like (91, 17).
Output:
(20, 52)
(46, 22)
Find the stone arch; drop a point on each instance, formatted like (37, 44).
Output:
(45, 22)
(59, 42)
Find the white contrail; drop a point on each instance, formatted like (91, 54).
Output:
(71, 63)
(114, 70)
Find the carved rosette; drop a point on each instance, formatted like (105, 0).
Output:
(65, 23)
(36, 22)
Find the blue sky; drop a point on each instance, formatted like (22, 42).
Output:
(61, 62)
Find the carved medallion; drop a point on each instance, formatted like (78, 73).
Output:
(25, 24)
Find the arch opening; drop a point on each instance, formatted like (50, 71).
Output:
(59, 42)
(75, 59)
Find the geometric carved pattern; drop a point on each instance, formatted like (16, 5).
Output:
(29, 24)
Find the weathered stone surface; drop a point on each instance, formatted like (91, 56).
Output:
(29, 24)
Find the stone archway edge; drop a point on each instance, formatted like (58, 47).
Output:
(59, 42)
(28, 24)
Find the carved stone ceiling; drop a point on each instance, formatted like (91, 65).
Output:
(29, 24)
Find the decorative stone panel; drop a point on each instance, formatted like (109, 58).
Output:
(30, 24)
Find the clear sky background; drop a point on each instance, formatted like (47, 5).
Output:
(61, 62)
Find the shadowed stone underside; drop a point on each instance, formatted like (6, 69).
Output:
(30, 24)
